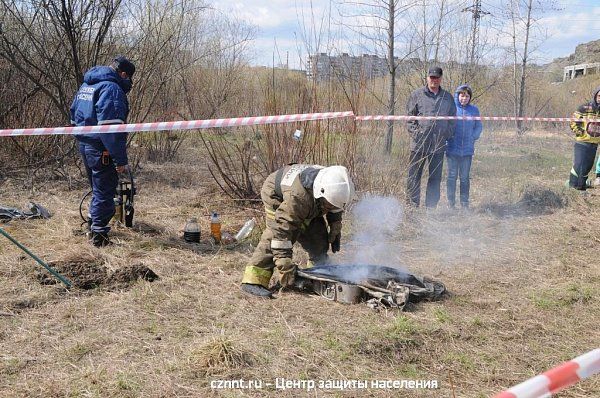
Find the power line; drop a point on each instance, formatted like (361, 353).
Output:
(477, 13)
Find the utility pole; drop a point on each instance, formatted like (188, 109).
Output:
(392, 71)
(477, 13)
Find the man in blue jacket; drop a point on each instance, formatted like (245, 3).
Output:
(461, 147)
(101, 100)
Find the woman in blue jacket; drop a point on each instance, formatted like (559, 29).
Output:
(461, 147)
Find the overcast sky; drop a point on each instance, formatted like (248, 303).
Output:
(282, 26)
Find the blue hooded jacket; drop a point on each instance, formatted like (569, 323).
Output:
(102, 99)
(466, 132)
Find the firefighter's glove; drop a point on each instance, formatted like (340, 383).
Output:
(287, 271)
(335, 235)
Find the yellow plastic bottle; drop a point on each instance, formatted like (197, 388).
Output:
(215, 227)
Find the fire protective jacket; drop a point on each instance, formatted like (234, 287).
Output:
(290, 205)
(102, 99)
(587, 131)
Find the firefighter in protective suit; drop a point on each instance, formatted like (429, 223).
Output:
(304, 204)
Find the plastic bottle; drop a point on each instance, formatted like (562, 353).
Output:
(215, 226)
(191, 231)
(245, 230)
(226, 238)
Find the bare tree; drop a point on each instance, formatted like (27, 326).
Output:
(51, 41)
(375, 24)
(526, 36)
(48, 44)
(520, 81)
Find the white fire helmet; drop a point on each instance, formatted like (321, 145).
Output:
(334, 184)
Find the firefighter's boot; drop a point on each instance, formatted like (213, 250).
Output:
(256, 290)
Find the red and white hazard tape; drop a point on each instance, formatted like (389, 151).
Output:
(259, 120)
(495, 118)
(177, 125)
(554, 380)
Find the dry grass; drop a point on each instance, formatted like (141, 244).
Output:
(525, 294)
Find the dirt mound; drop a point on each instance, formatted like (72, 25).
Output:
(91, 273)
(123, 277)
(542, 200)
(534, 201)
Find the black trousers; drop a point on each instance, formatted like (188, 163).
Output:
(584, 154)
(415, 171)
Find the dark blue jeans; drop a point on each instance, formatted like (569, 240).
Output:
(415, 171)
(458, 167)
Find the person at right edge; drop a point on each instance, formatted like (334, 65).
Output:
(301, 201)
(587, 137)
(428, 137)
(102, 100)
(461, 147)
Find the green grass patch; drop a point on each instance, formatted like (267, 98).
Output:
(461, 358)
(78, 351)
(575, 293)
(408, 371)
(12, 366)
(126, 382)
(441, 315)
(402, 327)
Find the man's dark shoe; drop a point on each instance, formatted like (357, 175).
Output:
(99, 239)
(256, 290)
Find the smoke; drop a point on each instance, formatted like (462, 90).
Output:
(375, 222)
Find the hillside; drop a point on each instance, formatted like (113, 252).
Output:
(584, 53)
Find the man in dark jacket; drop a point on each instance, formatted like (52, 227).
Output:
(428, 137)
(587, 138)
(101, 100)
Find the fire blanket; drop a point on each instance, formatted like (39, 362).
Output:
(376, 284)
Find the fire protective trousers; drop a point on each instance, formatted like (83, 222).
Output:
(312, 238)
(584, 154)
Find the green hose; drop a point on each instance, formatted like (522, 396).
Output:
(43, 264)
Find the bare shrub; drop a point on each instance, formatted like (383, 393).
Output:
(45, 50)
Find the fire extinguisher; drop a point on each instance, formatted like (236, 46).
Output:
(124, 199)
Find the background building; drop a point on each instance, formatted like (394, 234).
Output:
(323, 66)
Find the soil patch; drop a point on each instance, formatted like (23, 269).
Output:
(535, 201)
(91, 274)
(123, 277)
(539, 200)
